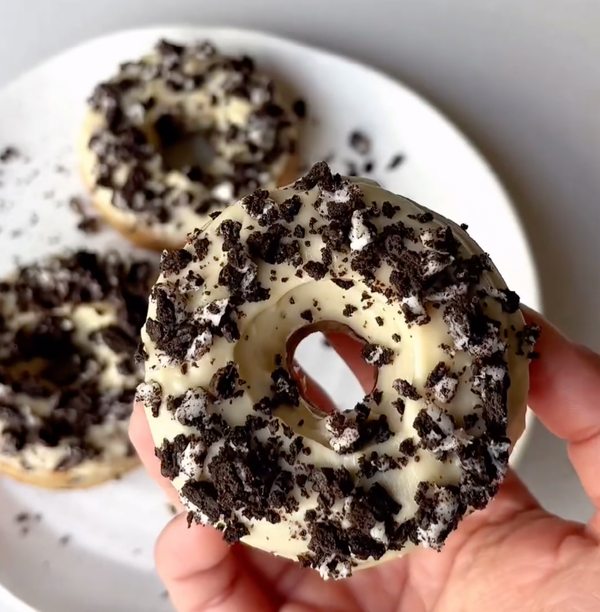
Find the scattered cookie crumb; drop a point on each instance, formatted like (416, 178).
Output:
(396, 161)
(89, 224)
(9, 153)
(26, 521)
(64, 540)
(300, 109)
(360, 142)
(351, 168)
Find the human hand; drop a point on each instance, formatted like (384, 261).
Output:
(514, 556)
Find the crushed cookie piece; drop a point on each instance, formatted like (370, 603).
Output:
(396, 161)
(360, 142)
(405, 389)
(349, 310)
(307, 315)
(377, 355)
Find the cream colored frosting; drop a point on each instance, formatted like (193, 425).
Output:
(265, 328)
(201, 109)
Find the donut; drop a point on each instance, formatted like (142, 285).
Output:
(69, 327)
(247, 452)
(143, 177)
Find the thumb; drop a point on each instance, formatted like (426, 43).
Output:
(202, 573)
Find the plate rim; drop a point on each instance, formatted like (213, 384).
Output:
(170, 29)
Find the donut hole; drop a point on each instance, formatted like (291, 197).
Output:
(311, 354)
(183, 149)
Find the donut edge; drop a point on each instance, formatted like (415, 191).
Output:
(99, 473)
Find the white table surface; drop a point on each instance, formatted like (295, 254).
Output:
(521, 78)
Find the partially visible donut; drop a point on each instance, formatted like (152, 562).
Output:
(155, 102)
(69, 328)
(241, 444)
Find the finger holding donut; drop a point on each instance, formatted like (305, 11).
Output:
(245, 448)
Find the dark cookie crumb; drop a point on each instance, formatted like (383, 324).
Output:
(399, 405)
(201, 245)
(230, 231)
(360, 142)
(284, 387)
(224, 382)
(173, 262)
(88, 224)
(349, 310)
(299, 108)
(408, 447)
(527, 339)
(509, 300)
(396, 161)
(315, 269)
(64, 540)
(377, 355)
(9, 154)
(405, 389)
(343, 283)
(442, 383)
(307, 315)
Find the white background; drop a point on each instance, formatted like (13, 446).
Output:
(520, 77)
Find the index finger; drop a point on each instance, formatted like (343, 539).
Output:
(139, 433)
(565, 395)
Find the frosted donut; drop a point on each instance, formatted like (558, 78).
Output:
(242, 446)
(69, 328)
(155, 103)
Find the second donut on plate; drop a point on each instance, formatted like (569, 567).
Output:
(180, 134)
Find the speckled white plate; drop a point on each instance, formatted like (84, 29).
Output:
(106, 564)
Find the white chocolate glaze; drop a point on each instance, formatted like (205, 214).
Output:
(431, 487)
